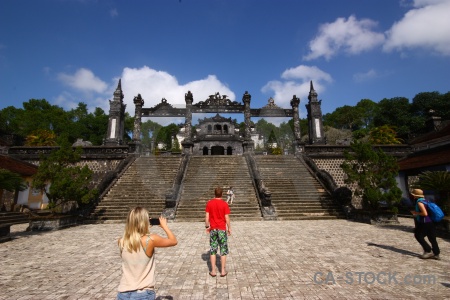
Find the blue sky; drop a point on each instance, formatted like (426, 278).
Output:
(71, 51)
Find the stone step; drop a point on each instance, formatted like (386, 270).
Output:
(144, 183)
(13, 218)
(295, 193)
(204, 173)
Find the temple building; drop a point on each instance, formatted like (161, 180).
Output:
(217, 136)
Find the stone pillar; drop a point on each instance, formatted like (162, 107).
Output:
(138, 102)
(294, 103)
(248, 142)
(116, 122)
(187, 142)
(316, 135)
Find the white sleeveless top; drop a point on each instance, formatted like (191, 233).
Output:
(138, 271)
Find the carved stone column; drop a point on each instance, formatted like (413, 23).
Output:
(246, 99)
(138, 102)
(294, 103)
(248, 143)
(187, 142)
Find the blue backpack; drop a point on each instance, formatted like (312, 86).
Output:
(435, 212)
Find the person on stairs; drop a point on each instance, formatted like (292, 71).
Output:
(230, 195)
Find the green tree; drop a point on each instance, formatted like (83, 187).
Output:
(9, 122)
(286, 134)
(41, 137)
(373, 172)
(396, 112)
(368, 109)
(335, 136)
(438, 181)
(267, 130)
(88, 126)
(345, 117)
(422, 103)
(176, 145)
(165, 135)
(39, 114)
(384, 135)
(68, 182)
(444, 106)
(149, 130)
(11, 181)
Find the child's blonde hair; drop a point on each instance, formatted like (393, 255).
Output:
(136, 226)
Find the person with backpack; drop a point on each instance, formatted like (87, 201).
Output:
(424, 226)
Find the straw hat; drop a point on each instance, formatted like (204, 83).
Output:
(417, 193)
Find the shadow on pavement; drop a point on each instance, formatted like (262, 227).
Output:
(394, 249)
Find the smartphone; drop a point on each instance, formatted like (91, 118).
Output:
(154, 221)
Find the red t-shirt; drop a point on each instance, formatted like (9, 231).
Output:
(217, 209)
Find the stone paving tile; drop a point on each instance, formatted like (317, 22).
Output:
(327, 259)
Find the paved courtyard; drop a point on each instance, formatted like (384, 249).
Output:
(332, 259)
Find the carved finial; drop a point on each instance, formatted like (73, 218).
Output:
(138, 101)
(312, 97)
(118, 94)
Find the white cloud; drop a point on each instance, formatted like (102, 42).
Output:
(297, 83)
(66, 100)
(350, 35)
(154, 85)
(113, 12)
(365, 76)
(46, 70)
(83, 80)
(427, 26)
(306, 73)
(421, 3)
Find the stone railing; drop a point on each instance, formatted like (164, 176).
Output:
(321, 175)
(173, 194)
(264, 195)
(314, 151)
(90, 152)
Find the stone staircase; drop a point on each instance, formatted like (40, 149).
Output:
(296, 194)
(11, 218)
(203, 174)
(144, 183)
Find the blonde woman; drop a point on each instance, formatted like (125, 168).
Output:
(137, 248)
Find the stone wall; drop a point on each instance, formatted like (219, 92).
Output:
(102, 160)
(330, 158)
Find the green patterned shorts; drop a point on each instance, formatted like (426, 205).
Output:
(218, 238)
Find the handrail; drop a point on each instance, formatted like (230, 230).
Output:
(322, 176)
(173, 193)
(263, 194)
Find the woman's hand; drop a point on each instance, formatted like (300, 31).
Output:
(162, 222)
